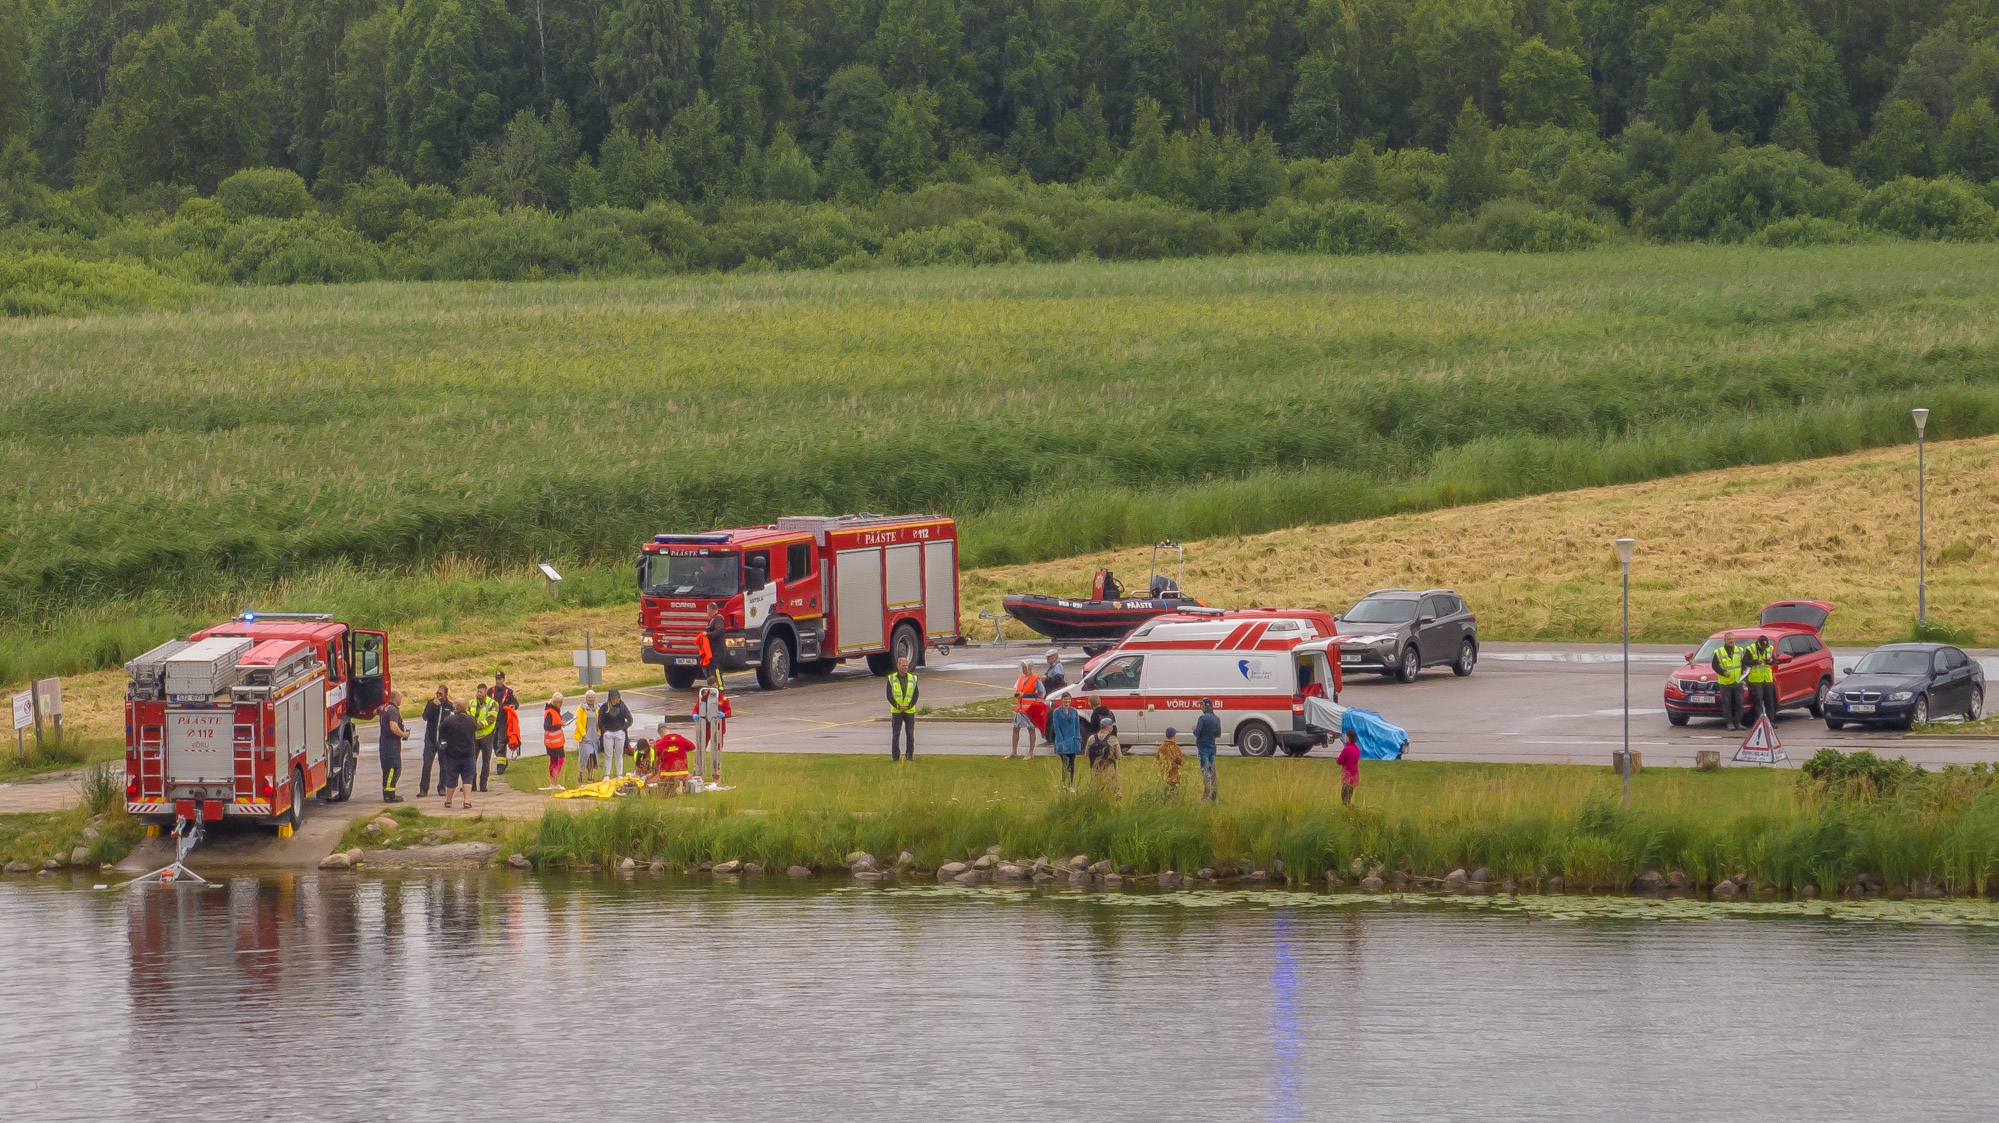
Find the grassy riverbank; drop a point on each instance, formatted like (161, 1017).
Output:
(1525, 822)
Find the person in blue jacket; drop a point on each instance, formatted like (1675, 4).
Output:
(1065, 729)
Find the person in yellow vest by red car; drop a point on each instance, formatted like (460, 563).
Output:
(1727, 664)
(1763, 676)
(901, 711)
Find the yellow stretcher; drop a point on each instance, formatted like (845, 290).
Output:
(608, 788)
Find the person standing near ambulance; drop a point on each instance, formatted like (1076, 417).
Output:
(902, 692)
(1207, 732)
(1026, 692)
(1727, 664)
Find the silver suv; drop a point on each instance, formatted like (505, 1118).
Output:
(1398, 632)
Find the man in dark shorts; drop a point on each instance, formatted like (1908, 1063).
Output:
(458, 748)
(390, 746)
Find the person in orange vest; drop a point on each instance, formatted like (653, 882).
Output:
(552, 740)
(510, 721)
(1026, 697)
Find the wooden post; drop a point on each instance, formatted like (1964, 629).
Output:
(35, 697)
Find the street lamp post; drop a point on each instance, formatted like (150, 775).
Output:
(1922, 417)
(1625, 548)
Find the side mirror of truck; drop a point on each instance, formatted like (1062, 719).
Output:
(758, 578)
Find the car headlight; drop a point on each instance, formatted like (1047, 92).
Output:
(1901, 695)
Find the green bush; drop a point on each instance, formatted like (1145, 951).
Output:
(1946, 209)
(263, 193)
(1511, 226)
(521, 243)
(966, 241)
(1790, 232)
(1755, 187)
(310, 250)
(383, 204)
(47, 284)
(1337, 227)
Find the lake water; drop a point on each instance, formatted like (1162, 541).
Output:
(484, 996)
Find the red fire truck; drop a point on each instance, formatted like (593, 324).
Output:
(248, 718)
(805, 593)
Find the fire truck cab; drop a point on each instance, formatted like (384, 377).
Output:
(249, 718)
(804, 593)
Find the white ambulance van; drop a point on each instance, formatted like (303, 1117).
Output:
(1156, 677)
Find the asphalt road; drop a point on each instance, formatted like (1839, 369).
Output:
(1530, 702)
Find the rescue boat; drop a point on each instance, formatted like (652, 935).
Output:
(1107, 613)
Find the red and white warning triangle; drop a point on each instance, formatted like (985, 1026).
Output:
(1761, 746)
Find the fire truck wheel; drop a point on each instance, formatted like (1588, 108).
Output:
(774, 673)
(679, 678)
(296, 816)
(906, 645)
(819, 666)
(1253, 738)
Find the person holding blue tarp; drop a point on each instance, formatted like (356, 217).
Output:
(1378, 739)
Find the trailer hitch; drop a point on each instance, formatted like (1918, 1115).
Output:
(187, 835)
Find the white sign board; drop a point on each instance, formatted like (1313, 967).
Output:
(24, 710)
(592, 658)
(1761, 746)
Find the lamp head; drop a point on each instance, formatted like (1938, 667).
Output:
(1922, 417)
(1625, 548)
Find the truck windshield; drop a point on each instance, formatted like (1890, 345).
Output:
(691, 575)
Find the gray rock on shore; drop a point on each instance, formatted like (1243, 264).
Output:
(1101, 868)
(1724, 890)
(1649, 881)
(628, 864)
(1554, 885)
(1205, 873)
(429, 857)
(338, 861)
(733, 865)
(1677, 880)
(797, 873)
(1170, 880)
(519, 862)
(904, 860)
(985, 862)
(20, 867)
(1080, 862)
(1372, 884)
(952, 869)
(1454, 881)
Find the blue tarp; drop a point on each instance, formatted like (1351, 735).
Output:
(1378, 739)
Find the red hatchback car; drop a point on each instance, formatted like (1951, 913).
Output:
(1804, 664)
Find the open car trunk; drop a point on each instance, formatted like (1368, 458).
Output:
(1804, 613)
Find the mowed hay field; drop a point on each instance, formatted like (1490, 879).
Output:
(1713, 547)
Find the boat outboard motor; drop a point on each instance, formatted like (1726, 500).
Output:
(1164, 586)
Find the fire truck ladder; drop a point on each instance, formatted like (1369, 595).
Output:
(187, 835)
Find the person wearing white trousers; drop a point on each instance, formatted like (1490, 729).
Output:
(615, 720)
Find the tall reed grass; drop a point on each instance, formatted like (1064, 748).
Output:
(157, 461)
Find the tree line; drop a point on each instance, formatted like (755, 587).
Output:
(698, 100)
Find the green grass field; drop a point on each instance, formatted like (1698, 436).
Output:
(1527, 822)
(299, 444)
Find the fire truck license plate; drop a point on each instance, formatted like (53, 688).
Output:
(686, 661)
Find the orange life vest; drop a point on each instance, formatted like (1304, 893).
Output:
(1023, 692)
(551, 728)
(707, 650)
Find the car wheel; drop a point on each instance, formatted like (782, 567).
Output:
(1253, 738)
(1921, 714)
(1676, 717)
(1411, 665)
(1817, 706)
(774, 673)
(1976, 709)
(1467, 659)
(1834, 723)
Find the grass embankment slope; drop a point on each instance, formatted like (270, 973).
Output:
(158, 468)
(1527, 822)
(1713, 547)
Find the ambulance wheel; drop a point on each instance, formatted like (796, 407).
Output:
(774, 673)
(1253, 738)
(680, 678)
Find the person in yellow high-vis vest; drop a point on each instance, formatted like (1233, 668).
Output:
(1762, 676)
(901, 711)
(485, 714)
(1727, 664)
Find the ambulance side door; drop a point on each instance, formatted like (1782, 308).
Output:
(1118, 682)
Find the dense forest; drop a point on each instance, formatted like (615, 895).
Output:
(428, 136)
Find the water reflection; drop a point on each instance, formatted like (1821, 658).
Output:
(463, 995)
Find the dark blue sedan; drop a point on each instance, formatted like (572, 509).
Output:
(1904, 684)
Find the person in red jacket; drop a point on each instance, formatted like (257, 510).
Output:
(1349, 761)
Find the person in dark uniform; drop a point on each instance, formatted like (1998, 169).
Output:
(390, 745)
(434, 713)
